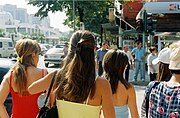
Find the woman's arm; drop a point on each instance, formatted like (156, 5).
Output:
(107, 102)
(4, 91)
(41, 84)
(132, 103)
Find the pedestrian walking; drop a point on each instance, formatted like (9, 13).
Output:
(130, 58)
(99, 57)
(124, 96)
(23, 73)
(152, 68)
(162, 60)
(65, 49)
(139, 54)
(79, 94)
(162, 98)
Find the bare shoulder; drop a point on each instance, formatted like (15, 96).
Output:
(7, 77)
(102, 82)
(131, 89)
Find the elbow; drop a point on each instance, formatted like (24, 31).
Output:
(31, 90)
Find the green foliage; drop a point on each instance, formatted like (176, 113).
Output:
(92, 13)
(2, 33)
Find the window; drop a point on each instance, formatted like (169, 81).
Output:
(10, 44)
(0, 44)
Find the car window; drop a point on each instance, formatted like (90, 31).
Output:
(59, 46)
(3, 71)
(0, 44)
(10, 44)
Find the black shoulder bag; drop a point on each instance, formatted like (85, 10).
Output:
(46, 112)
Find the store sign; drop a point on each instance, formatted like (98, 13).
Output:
(162, 7)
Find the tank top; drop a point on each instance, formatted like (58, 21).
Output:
(122, 111)
(24, 106)
(68, 109)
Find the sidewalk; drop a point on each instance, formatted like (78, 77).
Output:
(138, 82)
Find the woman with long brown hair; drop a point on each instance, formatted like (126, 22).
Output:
(78, 93)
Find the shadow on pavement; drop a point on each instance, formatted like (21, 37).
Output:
(140, 83)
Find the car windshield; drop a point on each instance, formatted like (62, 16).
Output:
(59, 46)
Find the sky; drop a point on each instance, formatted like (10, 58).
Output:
(56, 19)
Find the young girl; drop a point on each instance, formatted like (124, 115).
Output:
(114, 64)
(23, 73)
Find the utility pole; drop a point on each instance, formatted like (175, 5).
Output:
(144, 30)
(74, 25)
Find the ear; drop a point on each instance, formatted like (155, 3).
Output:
(33, 54)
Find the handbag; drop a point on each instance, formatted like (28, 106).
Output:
(45, 111)
(148, 95)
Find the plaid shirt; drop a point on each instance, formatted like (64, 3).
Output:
(164, 101)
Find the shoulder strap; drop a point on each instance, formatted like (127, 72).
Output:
(88, 96)
(148, 95)
(50, 87)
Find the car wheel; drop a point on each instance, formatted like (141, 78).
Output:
(46, 64)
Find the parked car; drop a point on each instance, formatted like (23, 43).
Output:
(54, 56)
(44, 48)
(5, 65)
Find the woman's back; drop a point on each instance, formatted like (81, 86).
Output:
(93, 105)
(26, 103)
(167, 95)
(124, 98)
(121, 96)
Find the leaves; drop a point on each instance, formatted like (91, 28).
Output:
(92, 13)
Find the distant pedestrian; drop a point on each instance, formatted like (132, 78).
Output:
(113, 45)
(99, 57)
(124, 96)
(79, 93)
(162, 61)
(152, 68)
(139, 61)
(130, 58)
(162, 98)
(65, 49)
(23, 73)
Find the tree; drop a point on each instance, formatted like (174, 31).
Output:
(2, 33)
(92, 13)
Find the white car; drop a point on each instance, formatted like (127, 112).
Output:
(54, 56)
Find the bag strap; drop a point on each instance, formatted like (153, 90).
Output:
(148, 95)
(50, 87)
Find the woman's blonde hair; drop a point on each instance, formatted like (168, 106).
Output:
(24, 48)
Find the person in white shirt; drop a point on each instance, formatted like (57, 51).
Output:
(152, 68)
(130, 58)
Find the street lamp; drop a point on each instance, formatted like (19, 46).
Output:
(74, 15)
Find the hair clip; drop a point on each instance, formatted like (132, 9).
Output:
(20, 59)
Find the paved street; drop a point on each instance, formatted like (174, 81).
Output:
(139, 88)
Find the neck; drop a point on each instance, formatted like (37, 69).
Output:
(175, 78)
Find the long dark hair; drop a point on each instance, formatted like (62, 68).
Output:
(79, 75)
(114, 64)
(164, 74)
